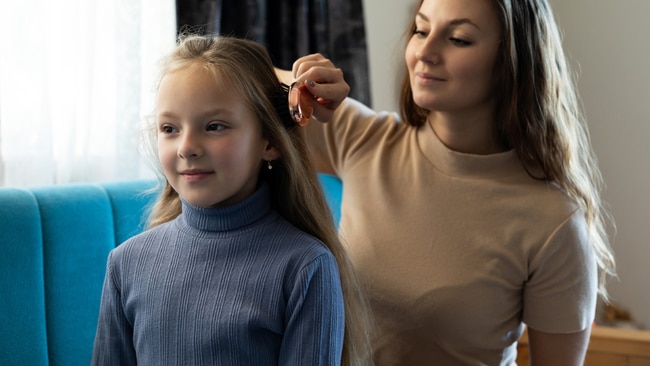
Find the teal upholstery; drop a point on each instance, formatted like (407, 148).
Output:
(71, 304)
(333, 190)
(23, 338)
(53, 247)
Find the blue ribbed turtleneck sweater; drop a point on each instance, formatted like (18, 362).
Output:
(225, 286)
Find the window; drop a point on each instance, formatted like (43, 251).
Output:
(76, 80)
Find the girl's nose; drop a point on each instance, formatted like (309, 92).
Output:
(189, 147)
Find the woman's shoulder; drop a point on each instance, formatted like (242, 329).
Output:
(549, 194)
(544, 204)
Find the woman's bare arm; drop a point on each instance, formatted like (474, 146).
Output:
(548, 349)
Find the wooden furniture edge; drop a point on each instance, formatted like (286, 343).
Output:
(615, 341)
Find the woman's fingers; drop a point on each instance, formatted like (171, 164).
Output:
(306, 63)
(324, 81)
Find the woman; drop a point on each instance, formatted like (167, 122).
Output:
(478, 209)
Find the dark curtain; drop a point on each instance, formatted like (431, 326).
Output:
(290, 29)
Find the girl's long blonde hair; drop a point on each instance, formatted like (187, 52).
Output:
(540, 116)
(295, 189)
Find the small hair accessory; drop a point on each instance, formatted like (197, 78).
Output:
(301, 104)
(269, 166)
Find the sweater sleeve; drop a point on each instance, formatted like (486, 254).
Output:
(315, 318)
(353, 128)
(560, 294)
(114, 336)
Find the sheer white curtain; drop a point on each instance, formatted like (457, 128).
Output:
(76, 79)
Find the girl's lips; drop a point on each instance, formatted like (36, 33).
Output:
(195, 175)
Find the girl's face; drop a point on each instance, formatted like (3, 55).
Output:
(210, 143)
(451, 55)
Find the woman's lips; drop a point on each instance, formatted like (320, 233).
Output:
(428, 79)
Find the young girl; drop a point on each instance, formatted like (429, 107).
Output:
(478, 209)
(242, 265)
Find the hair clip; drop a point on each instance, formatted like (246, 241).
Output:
(301, 104)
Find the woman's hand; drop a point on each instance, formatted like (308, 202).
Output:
(322, 79)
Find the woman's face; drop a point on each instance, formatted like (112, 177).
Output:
(451, 55)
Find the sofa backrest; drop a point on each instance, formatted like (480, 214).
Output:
(54, 242)
(22, 303)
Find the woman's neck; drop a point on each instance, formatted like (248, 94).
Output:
(466, 134)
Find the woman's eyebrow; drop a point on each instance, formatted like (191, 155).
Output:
(455, 22)
(460, 21)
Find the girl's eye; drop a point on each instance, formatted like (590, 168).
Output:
(460, 42)
(215, 126)
(167, 129)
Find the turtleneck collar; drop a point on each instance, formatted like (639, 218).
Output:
(454, 163)
(228, 218)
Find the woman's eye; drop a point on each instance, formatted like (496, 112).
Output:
(460, 42)
(419, 32)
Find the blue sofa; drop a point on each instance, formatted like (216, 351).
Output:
(54, 242)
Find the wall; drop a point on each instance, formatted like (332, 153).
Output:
(609, 41)
(386, 22)
(608, 44)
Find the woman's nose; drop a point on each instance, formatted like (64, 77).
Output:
(429, 50)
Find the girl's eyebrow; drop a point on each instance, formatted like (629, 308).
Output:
(455, 22)
(217, 112)
(208, 113)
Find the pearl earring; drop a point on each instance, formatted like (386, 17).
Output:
(269, 164)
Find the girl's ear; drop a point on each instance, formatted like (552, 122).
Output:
(271, 153)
